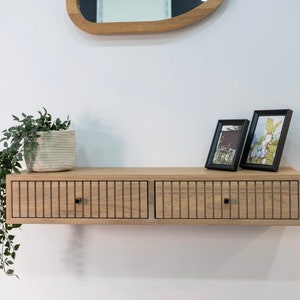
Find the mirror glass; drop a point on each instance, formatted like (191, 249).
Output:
(105, 11)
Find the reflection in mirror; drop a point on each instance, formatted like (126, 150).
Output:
(180, 7)
(101, 11)
(124, 10)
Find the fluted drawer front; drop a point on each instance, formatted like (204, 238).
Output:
(80, 199)
(265, 200)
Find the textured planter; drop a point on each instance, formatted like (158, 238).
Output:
(56, 151)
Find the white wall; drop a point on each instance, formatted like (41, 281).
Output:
(153, 100)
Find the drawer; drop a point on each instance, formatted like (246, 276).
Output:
(79, 199)
(264, 200)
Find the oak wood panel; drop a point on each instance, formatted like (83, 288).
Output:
(227, 200)
(79, 199)
(179, 174)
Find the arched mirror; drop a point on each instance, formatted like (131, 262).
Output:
(137, 16)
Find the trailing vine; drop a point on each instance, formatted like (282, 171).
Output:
(16, 144)
(10, 159)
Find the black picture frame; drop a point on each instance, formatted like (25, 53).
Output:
(227, 144)
(266, 139)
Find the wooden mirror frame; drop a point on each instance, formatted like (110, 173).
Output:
(171, 24)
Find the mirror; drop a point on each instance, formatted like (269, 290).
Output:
(137, 16)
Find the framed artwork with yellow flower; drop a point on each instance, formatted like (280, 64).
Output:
(266, 138)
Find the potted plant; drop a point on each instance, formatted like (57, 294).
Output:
(40, 142)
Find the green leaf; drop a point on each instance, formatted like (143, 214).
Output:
(16, 225)
(11, 237)
(10, 272)
(16, 247)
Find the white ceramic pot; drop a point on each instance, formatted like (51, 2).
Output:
(56, 151)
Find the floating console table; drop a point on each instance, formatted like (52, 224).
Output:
(155, 196)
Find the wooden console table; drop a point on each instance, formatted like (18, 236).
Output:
(155, 196)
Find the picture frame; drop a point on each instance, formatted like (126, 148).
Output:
(227, 144)
(266, 138)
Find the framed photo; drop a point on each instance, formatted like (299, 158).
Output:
(227, 145)
(265, 140)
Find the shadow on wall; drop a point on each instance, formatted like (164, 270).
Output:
(96, 145)
(75, 255)
(173, 251)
